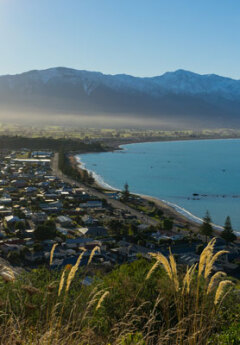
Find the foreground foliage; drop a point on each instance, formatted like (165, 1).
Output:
(139, 303)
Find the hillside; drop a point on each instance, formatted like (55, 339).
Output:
(175, 99)
(140, 303)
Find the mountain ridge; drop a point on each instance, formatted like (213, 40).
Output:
(174, 97)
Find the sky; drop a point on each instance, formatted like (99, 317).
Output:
(137, 37)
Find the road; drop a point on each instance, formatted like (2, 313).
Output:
(114, 203)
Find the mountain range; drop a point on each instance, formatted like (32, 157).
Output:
(177, 99)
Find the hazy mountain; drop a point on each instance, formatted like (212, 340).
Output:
(177, 99)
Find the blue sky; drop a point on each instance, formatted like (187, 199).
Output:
(138, 37)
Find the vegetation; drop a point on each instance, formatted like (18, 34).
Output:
(45, 231)
(107, 134)
(142, 303)
(167, 224)
(43, 143)
(71, 170)
(206, 228)
(227, 234)
(125, 193)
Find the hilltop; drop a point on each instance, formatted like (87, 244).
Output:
(179, 99)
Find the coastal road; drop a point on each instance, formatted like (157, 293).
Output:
(114, 203)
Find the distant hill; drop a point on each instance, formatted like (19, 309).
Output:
(176, 99)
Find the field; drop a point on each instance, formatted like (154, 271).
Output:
(108, 134)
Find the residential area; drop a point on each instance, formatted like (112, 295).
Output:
(39, 209)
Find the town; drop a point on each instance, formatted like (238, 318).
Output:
(40, 207)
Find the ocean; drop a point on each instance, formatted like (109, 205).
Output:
(192, 176)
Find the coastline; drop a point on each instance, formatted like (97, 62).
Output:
(115, 145)
(179, 214)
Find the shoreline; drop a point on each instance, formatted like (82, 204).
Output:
(176, 212)
(115, 145)
(169, 209)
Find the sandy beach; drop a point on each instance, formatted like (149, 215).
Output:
(180, 216)
(168, 210)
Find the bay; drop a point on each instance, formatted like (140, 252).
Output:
(192, 176)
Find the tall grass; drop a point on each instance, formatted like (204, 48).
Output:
(61, 311)
(197, 296)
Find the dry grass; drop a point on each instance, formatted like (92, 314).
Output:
(51, 253)
(196, 296)
(183, 313)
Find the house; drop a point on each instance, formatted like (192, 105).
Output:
(19, 183)
(5, 211)
(29, 233)
(28, 213)
(6, 248)
(158, 236)
(113, 195)
(53, 206)
(39, 217)
(82, 231)
(41, 154)
(63, 231)
(5, 200)
(82, 242)
(30, 189)
(88, 220)
(37, 257)
(143, 227)
(189, 259)
(64, 220)
(97, 231)
(11, 219)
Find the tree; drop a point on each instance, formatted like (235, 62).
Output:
(19, 225)
(132, 230)
(206, 228)
(125, 192)
(46, 231)
(90, 178)
(167, 224)
(199, 249)
(228, 234)
(14, 258)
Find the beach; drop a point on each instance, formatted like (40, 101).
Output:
(168, 210)
(180, 213)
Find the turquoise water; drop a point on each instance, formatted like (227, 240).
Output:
(175, 171)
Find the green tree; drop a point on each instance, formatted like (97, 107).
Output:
(228, 234)
(45, 231)
(14, 257)
(114, 227)
(206, 228)
(125, 192)
(19, 225)
(167, 224)
(132, 230)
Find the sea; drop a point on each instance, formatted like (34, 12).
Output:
(192, 176)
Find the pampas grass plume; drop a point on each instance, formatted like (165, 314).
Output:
(214, 278)
(102, 299)
(62, 280)
(51, 253)
(153, 268)
(92, 254)
(221, 287)
(73, 271)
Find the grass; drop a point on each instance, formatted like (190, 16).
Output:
(144, 303)
(79, 132)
